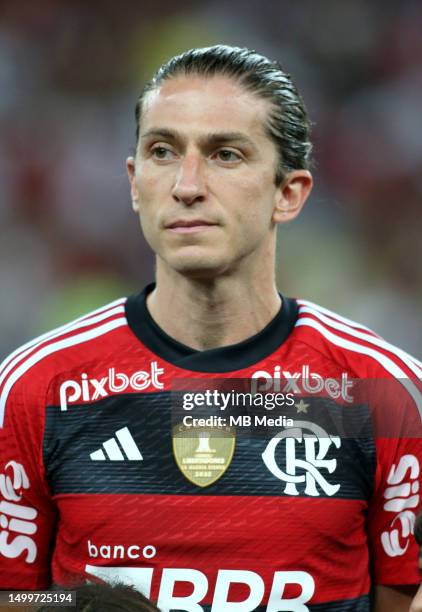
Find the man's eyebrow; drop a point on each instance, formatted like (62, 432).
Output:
(217, 138)
(211, 139)
(162, 133)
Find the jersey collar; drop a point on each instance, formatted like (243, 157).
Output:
(225, 359)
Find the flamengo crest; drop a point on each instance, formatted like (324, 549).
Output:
(308, 471)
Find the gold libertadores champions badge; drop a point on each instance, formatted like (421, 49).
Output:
(203, 454)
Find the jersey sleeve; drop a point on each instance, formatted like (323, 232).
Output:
(397, 497)
(27, 514)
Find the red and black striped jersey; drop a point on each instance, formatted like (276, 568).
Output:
(102, 477)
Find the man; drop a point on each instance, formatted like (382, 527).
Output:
(101, 479)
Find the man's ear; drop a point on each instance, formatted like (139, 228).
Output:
(130, 166)
(291, 195)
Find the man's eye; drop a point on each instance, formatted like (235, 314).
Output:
(162, 153)
(226, 155)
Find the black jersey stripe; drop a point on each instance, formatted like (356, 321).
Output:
(72, 436)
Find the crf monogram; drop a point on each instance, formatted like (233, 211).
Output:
(317, 443)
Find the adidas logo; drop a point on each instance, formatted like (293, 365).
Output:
(112, 451)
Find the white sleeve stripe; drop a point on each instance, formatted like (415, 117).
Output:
(409, 361)
(336, 316)
(52, 348)
(385, 361)
(72, 328)
(102, 313)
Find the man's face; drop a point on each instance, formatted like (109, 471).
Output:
(203, 177)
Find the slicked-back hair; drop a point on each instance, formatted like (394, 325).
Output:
(287, 125)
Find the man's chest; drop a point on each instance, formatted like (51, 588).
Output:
(136, 490)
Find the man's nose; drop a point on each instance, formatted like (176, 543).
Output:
(189, 186)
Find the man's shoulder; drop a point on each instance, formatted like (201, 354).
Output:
(352, 345)
(35, 363)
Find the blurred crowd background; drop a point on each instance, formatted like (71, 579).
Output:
(70, 74)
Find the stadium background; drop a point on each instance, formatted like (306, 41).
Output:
(70, 73)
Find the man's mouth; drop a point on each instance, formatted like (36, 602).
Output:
(187, 226)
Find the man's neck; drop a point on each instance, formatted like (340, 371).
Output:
(212, 314)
